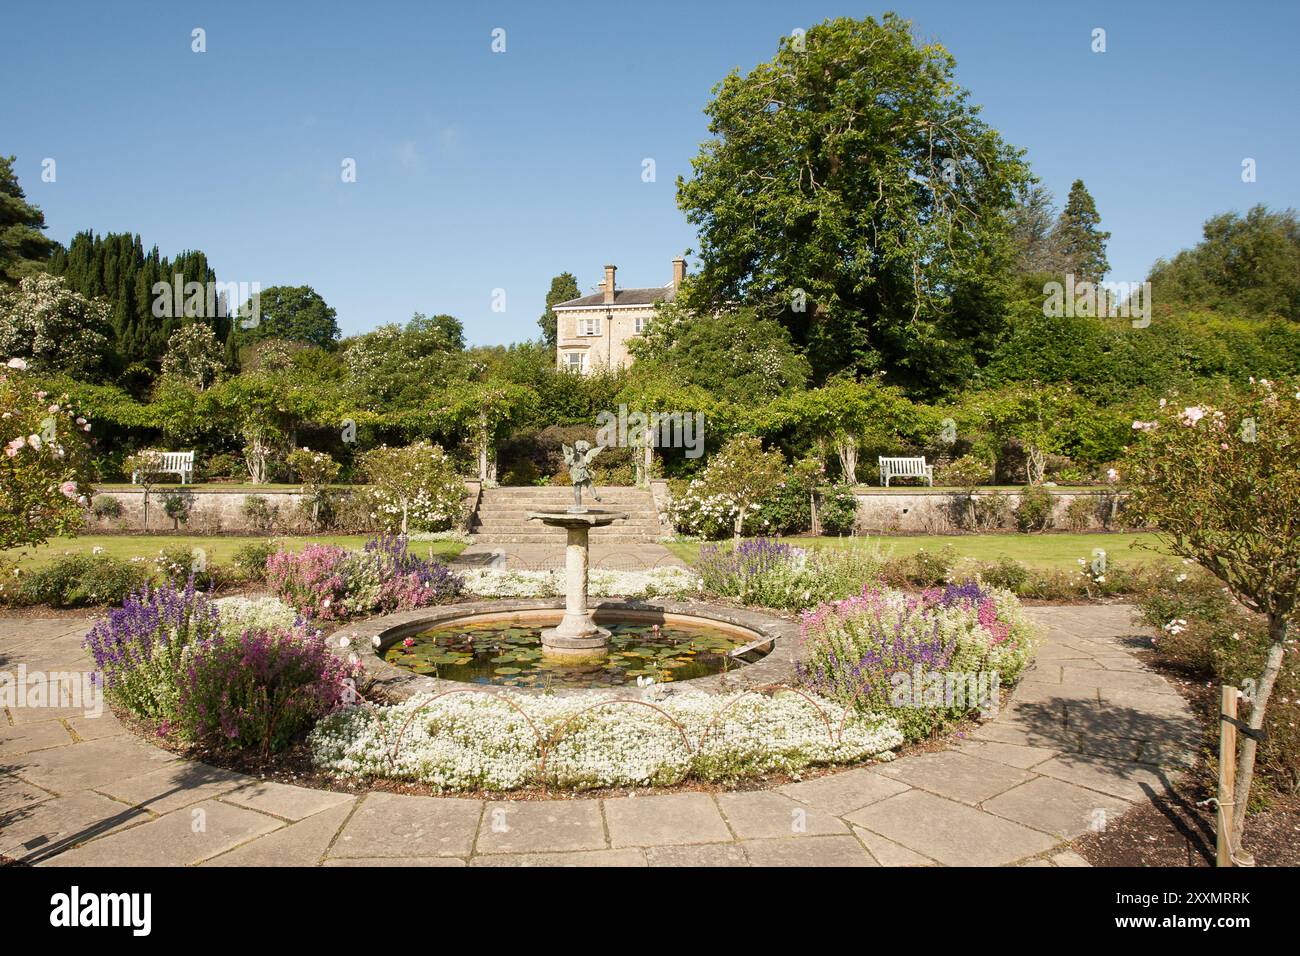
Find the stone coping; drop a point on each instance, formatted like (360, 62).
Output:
(777, 666)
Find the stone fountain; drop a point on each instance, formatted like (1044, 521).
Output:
(577, 635)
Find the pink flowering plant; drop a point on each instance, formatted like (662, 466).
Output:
(312, 580)
(326, 582)
(44, 461)
(866, 648)
(1220, 485)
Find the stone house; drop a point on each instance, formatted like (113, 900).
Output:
(592, 331)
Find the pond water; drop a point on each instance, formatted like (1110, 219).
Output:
(511, 655)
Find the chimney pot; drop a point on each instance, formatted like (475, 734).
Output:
(609, 286)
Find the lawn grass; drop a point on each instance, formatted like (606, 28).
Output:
(1035, 550)
(218, 549)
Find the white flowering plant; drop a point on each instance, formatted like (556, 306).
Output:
(415, 488)
(239, 614)
(507, 742)
(602, 582)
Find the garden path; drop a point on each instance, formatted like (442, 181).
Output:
(1086, 734)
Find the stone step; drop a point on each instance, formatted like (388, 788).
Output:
(509, 539)
(644, 529)
(502, 516)
(515, 510)
(521, 517)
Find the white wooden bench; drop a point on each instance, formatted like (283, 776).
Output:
(179, 463)
(905, 468)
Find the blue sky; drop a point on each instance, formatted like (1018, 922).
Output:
(479, 171)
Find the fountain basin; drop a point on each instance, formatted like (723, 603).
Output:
(768, 641)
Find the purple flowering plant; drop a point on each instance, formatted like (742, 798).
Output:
(138, 646)
(261, 689)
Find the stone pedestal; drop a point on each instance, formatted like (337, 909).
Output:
(577, 634)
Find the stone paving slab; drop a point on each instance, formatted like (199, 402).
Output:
(1055, 806)
(394, 825)
(181, 838)
(517, 826)
(177, 785)
(27, 738)
(1125, 779)
(16, 793)
(841, 793)
(1013, 755)
(704, 854)
(814, 851)
(624, 858)
(89, 765)
(299, 844)
(956, 775)
(62, 822)
(95, 728)
(887, 852)
(281, 800)
(1087, 731)
(667, 819)
(769, 814)
(952, 833)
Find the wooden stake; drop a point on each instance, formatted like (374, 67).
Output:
(1227, 773)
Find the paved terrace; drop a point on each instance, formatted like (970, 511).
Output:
(1087, 733)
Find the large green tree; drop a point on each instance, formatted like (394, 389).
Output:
(1247, 264)
(563, 288)
(738, 355)
(295, 313)
(24, 246)
(851, 187)
(117, 267)
(1080, 241)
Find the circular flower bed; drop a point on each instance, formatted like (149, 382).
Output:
(473, 741)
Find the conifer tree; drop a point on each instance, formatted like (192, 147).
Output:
(1082, 245)
(24, 247)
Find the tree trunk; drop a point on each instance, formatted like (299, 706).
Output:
(1277, 628)
(847, 450)
(1035, 464)
(740, 521)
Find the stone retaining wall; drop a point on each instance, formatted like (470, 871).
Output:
(210, 511)
(932, 512)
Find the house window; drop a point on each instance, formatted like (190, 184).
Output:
(575, 361)
(589, 326)
(641, 323)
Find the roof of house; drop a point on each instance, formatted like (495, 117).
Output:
(621, 297)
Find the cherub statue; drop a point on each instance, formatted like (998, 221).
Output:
(579, 458)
